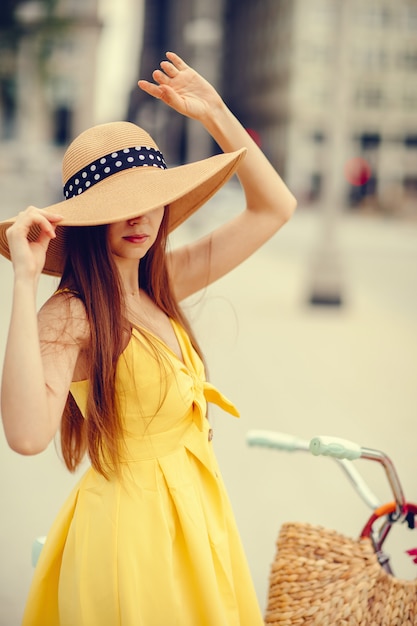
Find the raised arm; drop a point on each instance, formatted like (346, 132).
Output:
(40, 356)
(269, 203)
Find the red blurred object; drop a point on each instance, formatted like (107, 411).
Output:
(413, 554)
(357, 171)
(255, 136)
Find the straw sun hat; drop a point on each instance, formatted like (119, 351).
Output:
(114, 172)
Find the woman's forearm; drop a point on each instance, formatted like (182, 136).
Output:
(25, 399)
(263, 187)
(24, 404)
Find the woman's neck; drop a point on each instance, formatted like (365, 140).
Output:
(129, 276)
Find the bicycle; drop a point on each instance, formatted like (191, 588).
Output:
(321, 577)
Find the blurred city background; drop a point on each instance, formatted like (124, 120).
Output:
(317, 333)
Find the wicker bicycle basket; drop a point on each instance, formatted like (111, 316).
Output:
(323, 578)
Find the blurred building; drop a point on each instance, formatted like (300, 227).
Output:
(327, 87)
(47, 80)
(313, 69)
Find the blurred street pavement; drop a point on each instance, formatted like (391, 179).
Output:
(349, 371)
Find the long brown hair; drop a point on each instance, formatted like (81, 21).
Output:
(91, 275)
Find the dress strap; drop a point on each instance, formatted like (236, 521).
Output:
(67, 290)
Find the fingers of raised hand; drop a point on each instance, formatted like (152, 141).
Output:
(161, 77)
(32, 216)
(150, 88)
(169, 69)
(177, 61)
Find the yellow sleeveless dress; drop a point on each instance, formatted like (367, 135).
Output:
(160, 546)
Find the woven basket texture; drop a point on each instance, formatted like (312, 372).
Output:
(323, 578)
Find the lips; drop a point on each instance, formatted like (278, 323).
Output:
(137, 239)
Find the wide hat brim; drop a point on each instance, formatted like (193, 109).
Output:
(131, 193)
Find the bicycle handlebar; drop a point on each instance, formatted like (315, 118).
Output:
(277, 440)
(335, 447)
(290, 443)
(344, 449)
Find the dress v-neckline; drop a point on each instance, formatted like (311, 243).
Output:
(181, 356)
(136, 332)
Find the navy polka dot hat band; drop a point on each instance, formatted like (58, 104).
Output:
(114, 172)
(109, 164)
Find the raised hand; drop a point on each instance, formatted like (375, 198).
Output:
(28, 257)
(182, 88)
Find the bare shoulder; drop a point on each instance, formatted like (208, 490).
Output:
(63, 320)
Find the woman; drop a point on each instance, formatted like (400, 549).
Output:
(147, 538)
